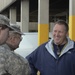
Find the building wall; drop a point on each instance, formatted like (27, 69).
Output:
(33, 26)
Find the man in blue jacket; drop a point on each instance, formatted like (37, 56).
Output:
(55, 57)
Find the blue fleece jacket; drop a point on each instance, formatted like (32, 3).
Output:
(45, 60)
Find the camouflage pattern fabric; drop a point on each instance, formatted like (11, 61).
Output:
(12, 63)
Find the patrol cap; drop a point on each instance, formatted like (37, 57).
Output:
(5, 21)
(16, 29)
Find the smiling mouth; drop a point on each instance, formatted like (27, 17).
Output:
(57, 38)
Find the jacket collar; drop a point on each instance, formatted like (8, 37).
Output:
(69, 45)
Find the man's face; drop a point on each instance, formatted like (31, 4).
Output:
(14, 40)
(59, 34)
(17, 40)
(3, 35)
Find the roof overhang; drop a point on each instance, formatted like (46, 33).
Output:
(8, 5)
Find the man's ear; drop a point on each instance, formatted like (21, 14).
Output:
(67, 34)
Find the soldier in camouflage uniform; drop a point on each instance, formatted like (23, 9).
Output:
(10, 62)
(4, 28)
(14, 38)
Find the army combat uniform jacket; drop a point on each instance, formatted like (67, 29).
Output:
(12, 63)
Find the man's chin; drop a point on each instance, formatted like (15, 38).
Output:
(57, 43)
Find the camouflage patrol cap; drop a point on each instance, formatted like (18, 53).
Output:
(5, 21)
(16, 29)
